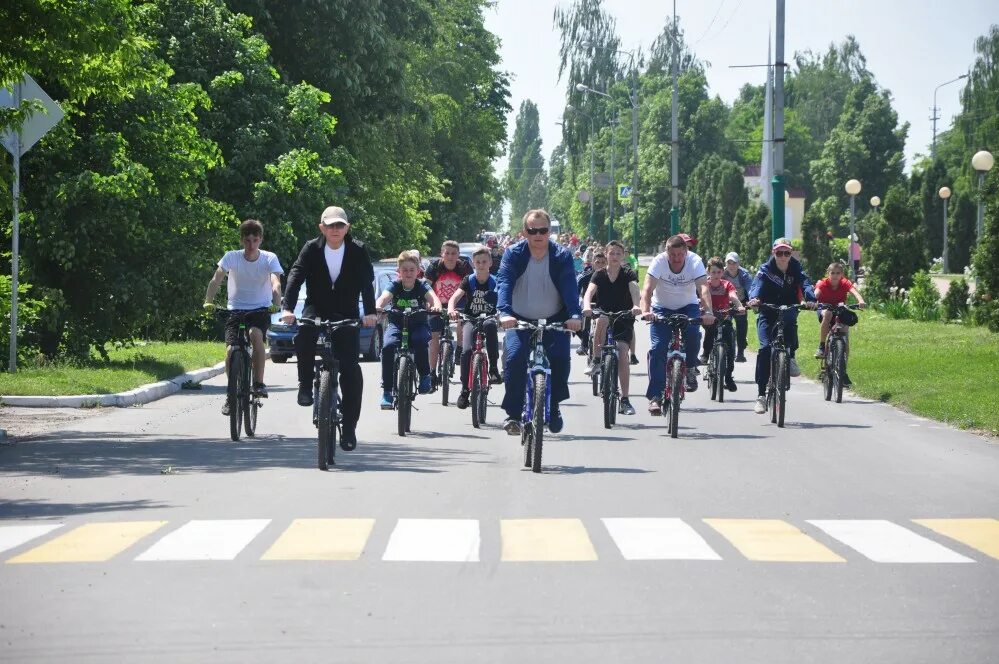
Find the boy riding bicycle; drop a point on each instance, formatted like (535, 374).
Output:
(479, 293)
(445, 275)
(723, 296)
(833, 290)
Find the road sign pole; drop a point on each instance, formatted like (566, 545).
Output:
(16, 191)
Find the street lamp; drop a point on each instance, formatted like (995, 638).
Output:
(875, 202)
(853, 188)
(981, 162)
(933, 146)
(945, 194)
(572, 109)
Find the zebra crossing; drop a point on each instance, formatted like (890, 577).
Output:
(567, 540)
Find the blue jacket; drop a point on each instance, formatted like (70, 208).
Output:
(742, 280)
(560, 267)
(775, 287)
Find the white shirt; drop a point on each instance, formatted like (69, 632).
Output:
(676, 290)
(249, 285)
(334, 260)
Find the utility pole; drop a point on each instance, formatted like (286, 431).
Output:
(777, 219)
(674, 213)
(613, 180)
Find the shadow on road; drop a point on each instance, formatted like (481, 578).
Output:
(586, 470)
(818, 425)
(39, 510)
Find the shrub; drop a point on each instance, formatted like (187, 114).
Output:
(985, 311)
(895, 306)
(955, 302)
(924, 298)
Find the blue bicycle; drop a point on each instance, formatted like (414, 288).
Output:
(538, 392)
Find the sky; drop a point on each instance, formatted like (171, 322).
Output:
(911, 46)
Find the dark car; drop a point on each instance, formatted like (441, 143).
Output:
(281, 337)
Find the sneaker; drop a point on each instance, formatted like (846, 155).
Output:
(655, 408)
(592, 369)
(761, 405)
(260, 390)
(348, 438)
(386, 402)
(225, 407)
(304, 395)
(425, 384)
(634, 359)
(691, 381)
(494, 377)
(581, 350)
(703, 359)
(435, 381)
(821, 352)
(741, 357)
(846, 380)
(730, 384)
(555, 420)
(625, 407)
(462, 402)
(511, 426)
(795, 370)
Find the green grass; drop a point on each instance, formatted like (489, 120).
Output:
(642, 269)
(127, 369)
(942, 371)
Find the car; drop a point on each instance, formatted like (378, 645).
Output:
(466, 249)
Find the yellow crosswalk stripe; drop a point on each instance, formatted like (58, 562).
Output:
(559, 540)
(93, 542)
(980, 534)
(772, 540)
(322, 539)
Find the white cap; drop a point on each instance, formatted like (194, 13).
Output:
(732, 256)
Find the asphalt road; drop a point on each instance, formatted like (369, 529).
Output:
(856, 534)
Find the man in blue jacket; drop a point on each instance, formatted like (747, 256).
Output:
(536, 280)
(781, 280)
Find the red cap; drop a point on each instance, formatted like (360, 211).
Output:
(690, 241)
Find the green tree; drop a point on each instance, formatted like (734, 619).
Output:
(821, 218)
(525, 176)
(898, 249)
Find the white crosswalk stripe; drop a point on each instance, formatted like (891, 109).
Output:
(887, 542)
(434, 540)
(658, 539)
(13, 536)
(206, 540)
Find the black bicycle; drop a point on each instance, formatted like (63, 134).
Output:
(722, 354)
(608, 388)
(833, 368)
(780, 364)
(405, 379)
(326, 415)
(243, 401)
(676, 370)
(478, 373)
(445, 359)
(538, 391)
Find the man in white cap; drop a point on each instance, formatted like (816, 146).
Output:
(742, 280)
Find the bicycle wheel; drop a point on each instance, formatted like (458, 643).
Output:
(839, 368)
(538, 421)
(676, 383)
(326, 441)
(608, 381)
(526, 439)
(783, 377)
(825, 374)
(250, 403)
(233, 391)
(402, 391)
(721, 369)
(447, 366)
(772, 388)
(475, 388)
(595, 379)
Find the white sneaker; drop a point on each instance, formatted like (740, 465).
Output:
(761, 405)
(592, 369)
(795, 370)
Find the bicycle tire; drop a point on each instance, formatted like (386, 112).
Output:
(475, 389)
(447, 353)
(326, 439)
(595, 379)
(772, 388)
(782, 381)
(403, 402)
(607, 390)
(614, 393)
(721, 368)
(839, 369)
(250, 417)
(526, 442)
(676, 380)
(538, 421)
(826, 375)
(232, 394)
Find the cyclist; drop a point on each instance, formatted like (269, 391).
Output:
(444, 274)
(407, 292)
(337, 271)
(617, 287)
(834, 290)
(254, 283)
(780, 281)
(480, 291)
(723, 296)
(536, 280)
(674, 284)
(598, 263)
(742, 280)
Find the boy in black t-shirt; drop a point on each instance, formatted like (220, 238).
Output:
(407, 292)
(582, 283)
(479, 293)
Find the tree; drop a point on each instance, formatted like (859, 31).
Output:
(898, 249)
(525, 176)
(821, 218)
(986, 257)
(931, 180)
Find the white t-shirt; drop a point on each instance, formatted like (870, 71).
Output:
(249, 284)
(334, 260)
(676, 290)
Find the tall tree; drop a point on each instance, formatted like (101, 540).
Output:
(525, 177)
(898, 249)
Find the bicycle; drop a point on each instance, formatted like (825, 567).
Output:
(405, 380)
(538, 391)
(243, 401)
(609, 389)
(445, 359)
(833, 363)
(676, 370)
(780, 370)
(326, 415)
(478, 374)
(721, 356)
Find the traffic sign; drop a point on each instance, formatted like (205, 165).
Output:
(583, 196)
(37, 124)
(624, 193)
(602, 179)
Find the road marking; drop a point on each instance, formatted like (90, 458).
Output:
(13, 536)
(206, 540)
(321, 539)
(90, 543)
(979, 534)
(434, 540)
(887, 542)
(772, 540)
(561, 540)
(658, 539)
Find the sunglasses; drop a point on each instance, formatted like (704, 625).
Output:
(782, 254)
(538, 231)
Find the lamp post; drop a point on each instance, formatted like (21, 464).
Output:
(875, 202)
(945, 194)
(981, 162)
(573, 109)
(933, 145)
(852, 188)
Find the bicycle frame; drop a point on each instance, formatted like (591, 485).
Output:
(538, 363)
(479, 346)
(404, 351)
(609, 347)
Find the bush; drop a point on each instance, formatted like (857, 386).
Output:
(924, 298)
(955, 302)
(985, 311)
(895, 306)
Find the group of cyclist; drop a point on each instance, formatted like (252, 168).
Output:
(536, 280)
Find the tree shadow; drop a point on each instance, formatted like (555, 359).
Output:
(33, 509)
(586, 470)
(569, 438)
(815, 425)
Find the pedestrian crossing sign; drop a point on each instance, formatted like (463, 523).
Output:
(624, 193)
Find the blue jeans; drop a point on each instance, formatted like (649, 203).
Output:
(765, 331)
(419, 343)
(662, 337)
(516, 351)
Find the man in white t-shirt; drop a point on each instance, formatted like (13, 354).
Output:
(254, 284)
(674, 284)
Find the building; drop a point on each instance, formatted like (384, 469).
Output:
(794, 208)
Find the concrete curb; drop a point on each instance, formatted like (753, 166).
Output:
(138, 396)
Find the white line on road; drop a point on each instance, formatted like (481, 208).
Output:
(206, 540)
(658, 539)
(887, 542)
(434, 540)
(11, 536)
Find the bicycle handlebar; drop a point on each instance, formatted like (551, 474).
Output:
(332, 324)
(831, 307)
(537, 325)
(681, 320)
(613, 315)
(782, 307)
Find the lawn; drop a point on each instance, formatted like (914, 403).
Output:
(127, 369)
(944, 372)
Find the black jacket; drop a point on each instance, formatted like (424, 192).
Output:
(325, 299)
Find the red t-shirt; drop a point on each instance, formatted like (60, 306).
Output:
(720, 298)
(826, 294)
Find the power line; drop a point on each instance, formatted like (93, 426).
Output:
(708, 29)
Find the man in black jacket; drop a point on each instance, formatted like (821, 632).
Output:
(337, 270)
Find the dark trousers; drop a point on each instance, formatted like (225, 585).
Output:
(584, 333)
(516, 350)
(468, 346)
(346, 348)
(710, 334)
(741, 330)
(419, 343)
(765, 331)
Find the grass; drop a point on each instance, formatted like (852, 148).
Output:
(127, 369)
(945, 372)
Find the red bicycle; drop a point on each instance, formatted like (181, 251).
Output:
(478, 372)
(676, 370)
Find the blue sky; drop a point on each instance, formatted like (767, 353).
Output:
(911, 47)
